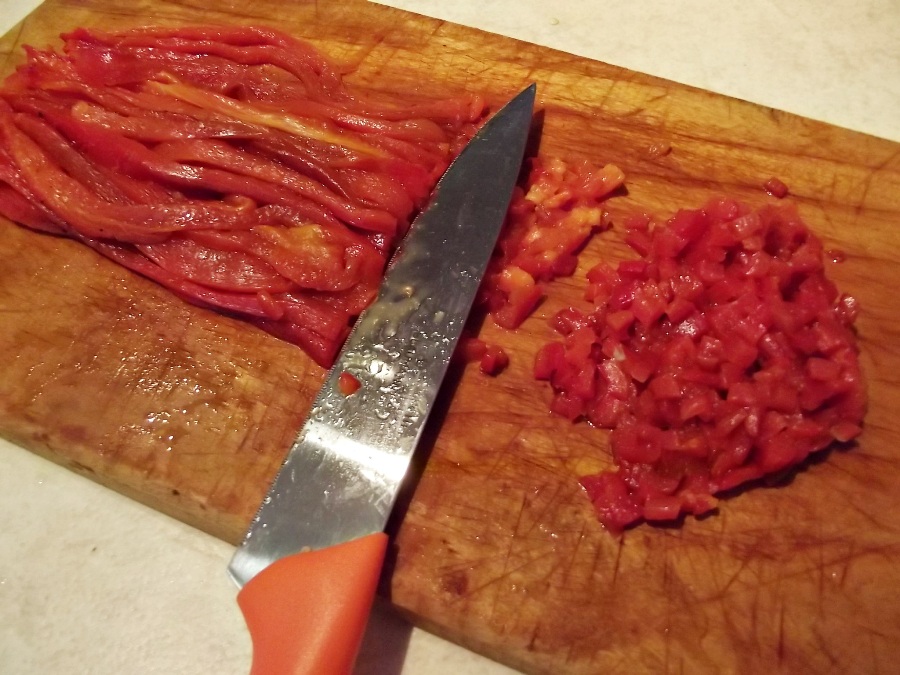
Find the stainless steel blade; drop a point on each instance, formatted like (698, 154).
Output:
(342, 475)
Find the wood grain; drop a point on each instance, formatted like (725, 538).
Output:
(494, 544)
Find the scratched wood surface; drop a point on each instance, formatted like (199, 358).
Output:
(494, 544)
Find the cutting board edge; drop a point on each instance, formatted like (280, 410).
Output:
(435, 627)
(161, 500)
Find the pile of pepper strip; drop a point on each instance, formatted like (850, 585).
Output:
(231, 165)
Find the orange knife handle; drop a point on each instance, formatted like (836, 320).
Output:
(307, 612)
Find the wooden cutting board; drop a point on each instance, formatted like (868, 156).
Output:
(495, 546)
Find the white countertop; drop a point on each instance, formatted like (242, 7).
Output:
(91, 582)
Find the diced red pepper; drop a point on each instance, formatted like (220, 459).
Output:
(722, 355)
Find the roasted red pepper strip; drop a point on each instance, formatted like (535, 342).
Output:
(213, 267)
(224, 156)
(113, 186)
(77, 205)
(246, 46)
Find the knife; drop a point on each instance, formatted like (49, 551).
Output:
(309, 564)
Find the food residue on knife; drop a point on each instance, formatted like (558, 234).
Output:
(348, 384)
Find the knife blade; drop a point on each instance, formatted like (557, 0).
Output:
(311, 559)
